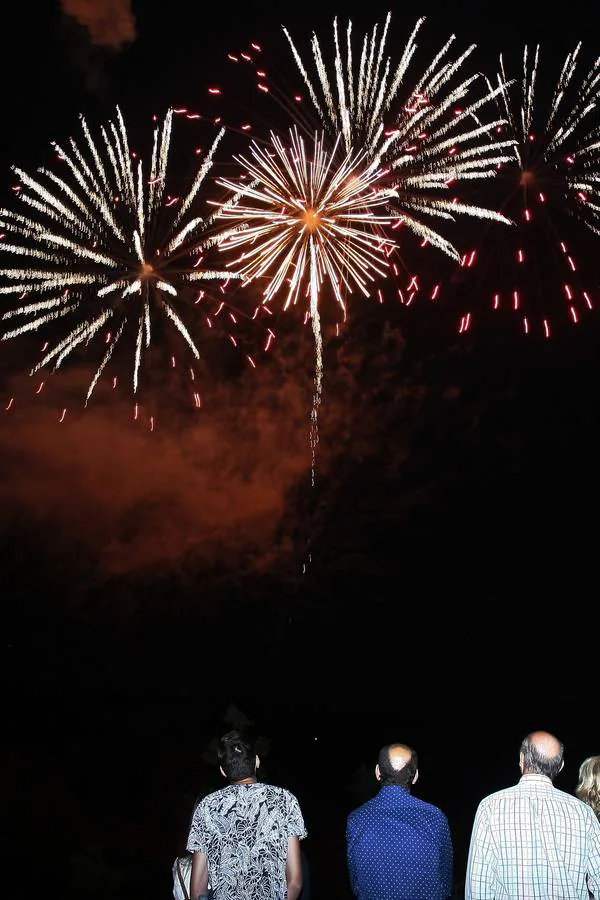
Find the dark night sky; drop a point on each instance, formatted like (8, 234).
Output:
(436, 586)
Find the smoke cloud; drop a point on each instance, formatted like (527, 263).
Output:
(95, 31)
(110, 23)
(225, 488)
(208, 488)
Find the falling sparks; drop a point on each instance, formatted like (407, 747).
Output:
(304, 220)
(103, 248)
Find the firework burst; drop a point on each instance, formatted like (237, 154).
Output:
(540, 272)
(102, 251)
(425, 129)
(306, 222)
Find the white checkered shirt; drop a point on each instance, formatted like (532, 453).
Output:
(533, 842)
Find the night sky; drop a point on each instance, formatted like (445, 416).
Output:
(436, 585)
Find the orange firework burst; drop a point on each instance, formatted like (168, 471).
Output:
(303, 221)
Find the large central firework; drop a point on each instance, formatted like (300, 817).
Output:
(104, 248)
(426, 129)
(306, 221)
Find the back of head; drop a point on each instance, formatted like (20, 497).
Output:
(588, 784)
(541, 754)
(237, 755)
(398, 764)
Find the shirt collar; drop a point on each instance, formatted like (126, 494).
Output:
(535, 779)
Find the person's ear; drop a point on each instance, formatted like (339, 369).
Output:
(257, 762)
(377, 772)
(222, 772)
(521, 760)
(561, 766)
(414, 781)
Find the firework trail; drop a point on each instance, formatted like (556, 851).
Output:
(542, 270)
(307, 222)
(102, 251)
(425, 129)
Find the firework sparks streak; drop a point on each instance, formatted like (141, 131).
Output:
(565, 149)
(306, 221)
(429, 144)
(105, 248)
(542, 272)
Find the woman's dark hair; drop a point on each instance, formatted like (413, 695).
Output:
(237, 755)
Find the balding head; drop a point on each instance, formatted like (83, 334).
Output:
(398, 764)
(541, 754)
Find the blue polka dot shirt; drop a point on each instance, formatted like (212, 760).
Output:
(399, 848)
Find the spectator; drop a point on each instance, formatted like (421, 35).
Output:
(245, 837)
(399, 846)
(532, 840)
(588, 784)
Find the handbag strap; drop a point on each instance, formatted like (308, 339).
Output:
(182, 881)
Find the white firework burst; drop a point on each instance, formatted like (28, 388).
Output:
(306, 220)
(427, 130)
(541, 275)
(104, 249)
(556, 148)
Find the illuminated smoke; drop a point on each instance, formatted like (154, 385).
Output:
(110, 23)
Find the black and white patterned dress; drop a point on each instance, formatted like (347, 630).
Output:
(243, 829)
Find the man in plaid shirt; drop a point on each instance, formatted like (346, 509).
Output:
(532, 841)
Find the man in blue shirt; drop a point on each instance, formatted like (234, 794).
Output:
(398, 846)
